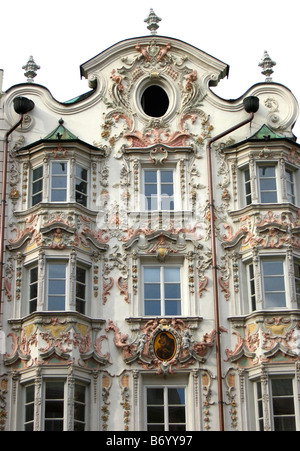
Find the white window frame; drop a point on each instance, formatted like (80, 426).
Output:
(259, 288)
(264, 261)
(33, 182)
(71, 180)
(162, 285)
(143, 198)
(290, 194)
(30, 284)
(296, 262)
(260, 178)
(66, 278)
(165, 389)
(65, 419)
(282, 190)
(70, 285)
(86, 287)
(268, 402)
(247, 183)
(86, 196)
(67, 176)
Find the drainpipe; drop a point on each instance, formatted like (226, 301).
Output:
(22, 106)
(251, 105)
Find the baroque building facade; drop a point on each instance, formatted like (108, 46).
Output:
(151, 249)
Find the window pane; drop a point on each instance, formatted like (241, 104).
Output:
(37, 186)
(59, 182)
(152, 308)
(274, 283)
(155, 396)
(176, 396)
(274, 286)
(80, 393)
(151, 203)
(33, 275)
(54, 390)
(80, 274)
(33, 291)
(54, 409)
(269, 198)
(167, 203)
(150, 190)
(172, 291)
(80, 291)
(150, 176)
(166, 177)
(57, 287)
(37, 173)
(57, 270)
(152, 291)
(284, 424)
(56, 303)
(177, 414)
(152, 274)
(155, 414)
(172, 308)
(177, 427)
(275, 300)
(54, 406)
(273, 267)
(54, 425)
(59, 196)
(172, 274)
(268, 184)
(283, 406)
(155, 427)
(59, 168)
(267, 177)
(267, 171)
(282, 387)
(30, 393)
(167, 190)
(81, 173)
(29, 413)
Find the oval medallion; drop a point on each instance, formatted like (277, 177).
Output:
(165, 346)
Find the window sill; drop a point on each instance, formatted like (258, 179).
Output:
(137, 322)
(267, 313)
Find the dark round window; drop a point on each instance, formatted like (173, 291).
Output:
(155, 101)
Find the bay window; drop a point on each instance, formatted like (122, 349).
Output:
(275, 289)
(67, 183)
(55, 293)
(54, 405)
(274, 184)
(281, 407)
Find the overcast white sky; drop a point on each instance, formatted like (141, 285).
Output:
(66, 33)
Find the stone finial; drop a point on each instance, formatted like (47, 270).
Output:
(152, 21)
(30, 67)
(267, 65)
